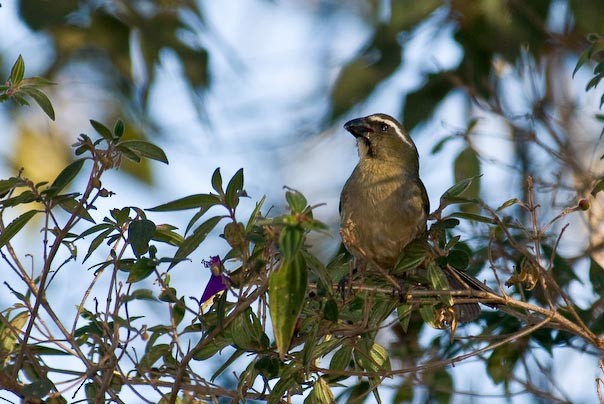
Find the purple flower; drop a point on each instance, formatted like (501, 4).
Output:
(218, 280)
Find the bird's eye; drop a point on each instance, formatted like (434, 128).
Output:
(384, 127)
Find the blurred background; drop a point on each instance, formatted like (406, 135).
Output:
(484, 87)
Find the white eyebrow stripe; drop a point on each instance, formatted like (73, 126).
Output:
(397, 129)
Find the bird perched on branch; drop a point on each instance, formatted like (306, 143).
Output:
(384, 205)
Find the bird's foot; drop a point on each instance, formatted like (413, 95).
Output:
(401, 291)
(345, 284)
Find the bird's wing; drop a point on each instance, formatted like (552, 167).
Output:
(422, 188)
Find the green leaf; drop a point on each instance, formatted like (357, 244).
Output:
(139, 294)
(96, 242)
(458, 259)
(459, 188)
(129, 154)
(10, 184)
(18, 98)
(428, 314)
(593, 82)
(120, 215)
(404, 394)
(288, 383)
(168, 295)
(194, 240)
(413, 255)
(438, 280)
(91, 392)
(268, 366)
(287, 291)
(22, 198)
(45, 350)
(152, 355)
(441, 143)
(178, 311)
(321, 393)
(8, 335)
(140, 233)
(211, 348)
(17, 71)
(203, 201)
(101, 129)
(341, 359)
(15, 226)
(508, 203)
(234, 189)
(254, 215)
(41, 99)
(420, 104)
(467, 165)
(358, 79)
(65, 177)
(94, 229)
(596, 277)
(141, 270)
(437, 277)
(598, 187)
(225, 365)
(374, 360)
(443, 380)
(36, 82)
(359, 392)
(118, 129)
(71, 205)
(501, 363)
(290, 240)
(403, 313)
(217, 181)
(247, 332)
(324, 276)
(144, 149)
(165, 233)
(581, 61)
(473, 217)
(38, 389)
(296, 201)
(330, 311)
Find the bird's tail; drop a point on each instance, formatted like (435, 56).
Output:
(460, 280)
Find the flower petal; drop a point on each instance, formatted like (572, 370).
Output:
(217, 284)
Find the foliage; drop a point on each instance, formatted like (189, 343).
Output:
(318, 335)
(99, 34)
(17, 88)
(279, 321)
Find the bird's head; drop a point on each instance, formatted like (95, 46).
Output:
(381, 137)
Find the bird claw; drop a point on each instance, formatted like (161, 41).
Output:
(401, 291)
(343, 284)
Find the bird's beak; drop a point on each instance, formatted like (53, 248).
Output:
(358, 127)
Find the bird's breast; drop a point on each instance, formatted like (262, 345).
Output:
(383, 211)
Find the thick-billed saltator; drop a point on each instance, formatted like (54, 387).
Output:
(384, 205)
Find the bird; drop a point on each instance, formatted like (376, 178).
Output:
(384, 205)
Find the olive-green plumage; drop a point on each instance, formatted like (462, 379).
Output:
(384, 205)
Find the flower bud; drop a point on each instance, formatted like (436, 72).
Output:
(584, 204)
